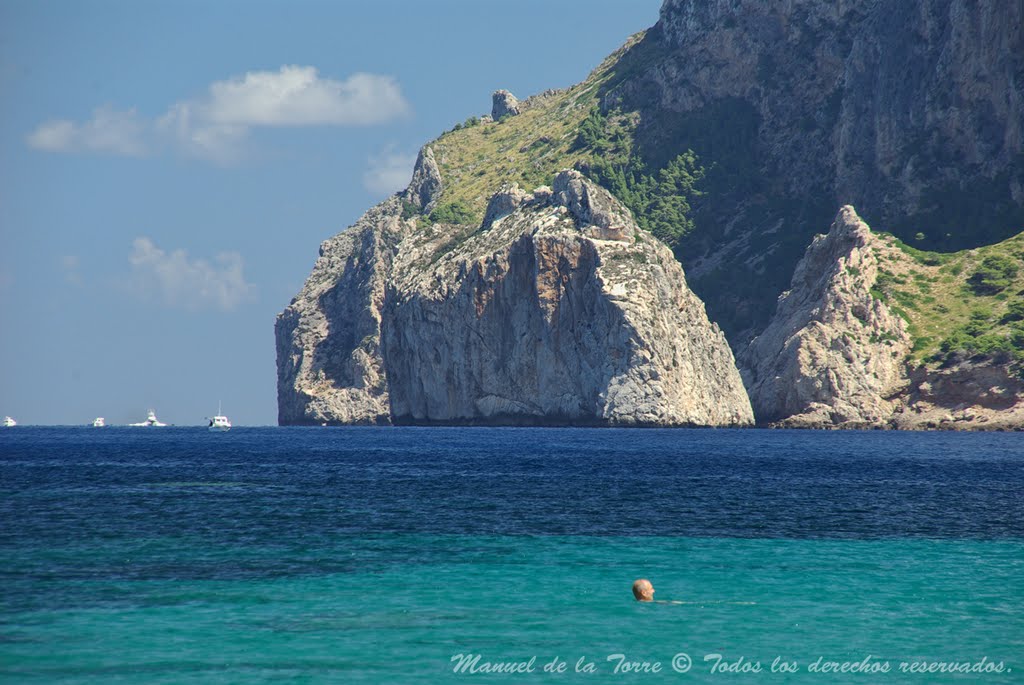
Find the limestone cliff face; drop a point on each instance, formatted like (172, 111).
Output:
(881, 99)
(559, 310)
(833, 355)
(836, 356)
(329, 365)
(910, 110)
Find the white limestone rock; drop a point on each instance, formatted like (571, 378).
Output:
(833, 354)
(426, 185)
(537, 320)
(503, 104)
(329, 366)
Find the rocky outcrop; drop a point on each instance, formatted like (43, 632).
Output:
(833, 354)
(979, 394)
(329, 364)
(836, 356)
(557, 308)
(538, 319)
(426, 185)
(504, 202)
(593, 207)
(503, 104)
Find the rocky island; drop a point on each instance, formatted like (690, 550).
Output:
(533, 271)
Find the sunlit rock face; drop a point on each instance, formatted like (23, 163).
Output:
(833, 354)
(558, 311)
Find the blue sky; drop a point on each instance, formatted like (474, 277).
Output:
(169, 170)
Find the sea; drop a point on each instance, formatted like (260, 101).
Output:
(485, 555)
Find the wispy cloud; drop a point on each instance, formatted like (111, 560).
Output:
(108, 131)
(215, 125)
(194, 136)
(180, 281)
(388, 171)
(298, 96)
(69, 265)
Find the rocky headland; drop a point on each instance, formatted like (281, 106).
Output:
(832, 354)
(836, 354)
(559, 310)
(533, 270)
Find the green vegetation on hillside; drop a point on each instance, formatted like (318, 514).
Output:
(995, 275)
(452, 213)
(658, 187)
(674, 171)
(659, 198)
(477, 157)
(962, 304)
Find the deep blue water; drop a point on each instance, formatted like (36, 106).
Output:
(375, 554)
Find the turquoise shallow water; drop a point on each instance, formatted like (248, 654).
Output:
(509, 598)
(189, 561)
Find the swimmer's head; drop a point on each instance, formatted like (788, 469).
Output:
(643, 590)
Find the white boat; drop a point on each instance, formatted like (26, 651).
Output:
(99, 422)
(151, 420)
(9, 422)
(219, 422)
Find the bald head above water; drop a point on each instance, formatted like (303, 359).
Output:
(643, 590)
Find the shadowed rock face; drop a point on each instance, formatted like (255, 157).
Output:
(910, 110)
(329, 367)
(875, 101)
(537, 319)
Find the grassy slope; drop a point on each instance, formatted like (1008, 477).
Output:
(928, 289)
(932, 291)
(528, 149)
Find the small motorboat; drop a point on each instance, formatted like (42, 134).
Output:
(9, 422)
(99, 422)
(219, 423)
(151, 420)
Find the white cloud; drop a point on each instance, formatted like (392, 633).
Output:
(187, 283)
(216, 125)
(195, 137)
(297, 96)
(388, 172)
(108, 131)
